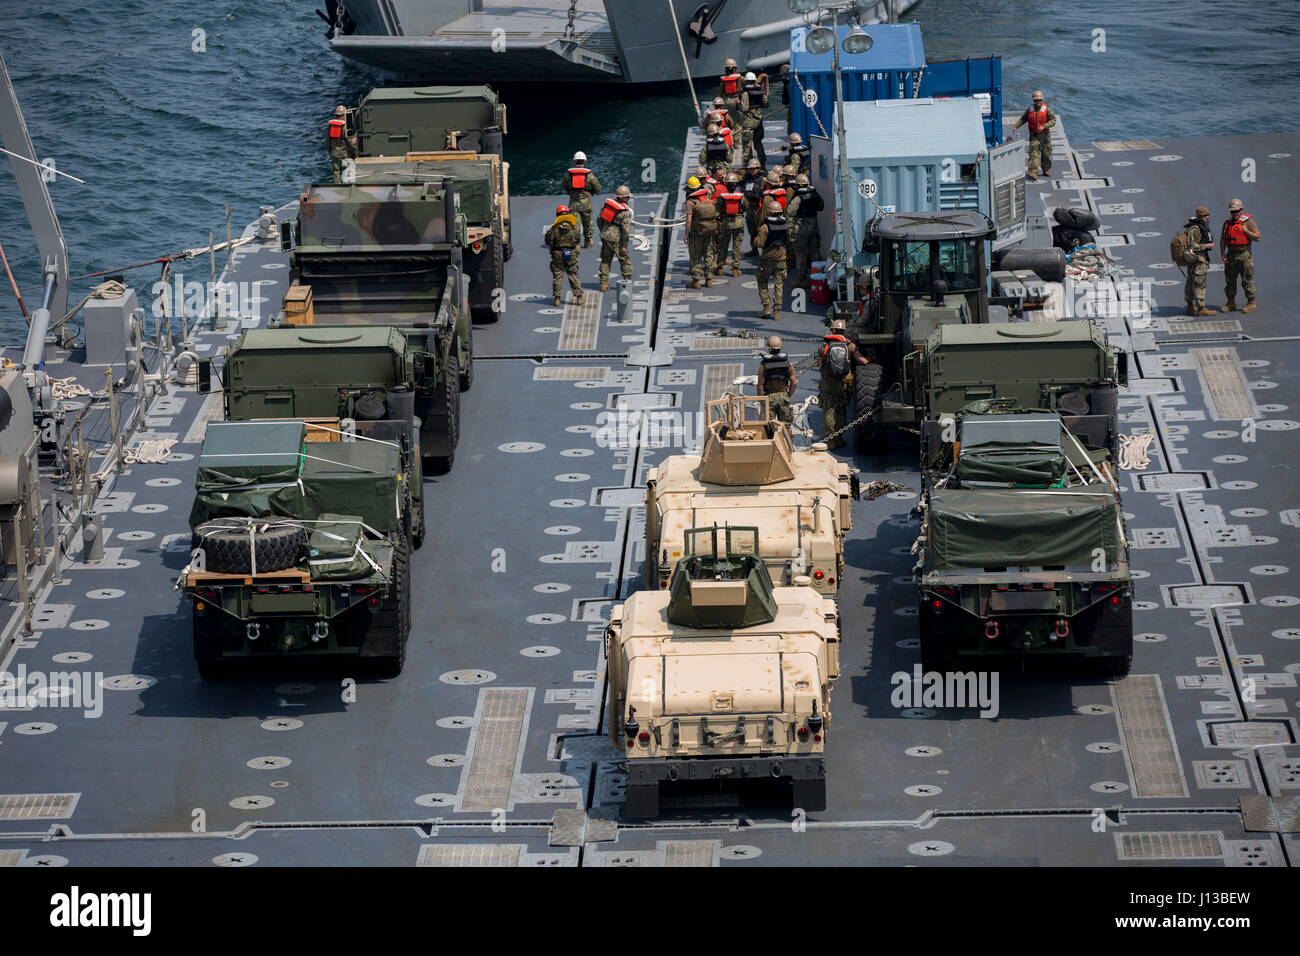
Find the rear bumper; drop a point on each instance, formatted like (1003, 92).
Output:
(653, 770)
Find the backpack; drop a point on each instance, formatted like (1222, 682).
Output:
(837, 359)
(1180, 248)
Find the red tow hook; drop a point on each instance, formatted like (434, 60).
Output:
(991, 630)
(1062, 628)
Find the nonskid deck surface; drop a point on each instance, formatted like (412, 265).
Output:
(497, 717)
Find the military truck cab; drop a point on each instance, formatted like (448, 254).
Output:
(421, 134)
(1022, 550)
(722, 677)
(749, 471)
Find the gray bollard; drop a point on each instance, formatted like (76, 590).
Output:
(92, 537)
(624, 301)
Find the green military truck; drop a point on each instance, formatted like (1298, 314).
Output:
(1022, 550)
(333, 374)
(422, 134)
(390, 256)
(301, 543)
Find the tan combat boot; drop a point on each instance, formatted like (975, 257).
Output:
(735, 271)
(708, 282)
(693, 284)
(1250, 306)
(579, 298)
(604, 285)
(557, 300)
(1204, 311)
(586, 244)
(1230, 307)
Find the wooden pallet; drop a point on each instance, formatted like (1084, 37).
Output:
(287, 576)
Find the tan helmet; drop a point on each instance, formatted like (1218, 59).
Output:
(713, 129)
(340, 110)
(802, 179)
(787, 170)
(1201, 212)
(1235, 206)
(701, 171)
(719, 101)
(772, 208)
(1038, 96)
(837, 325)
(753, 163)
(795, 139)
(733, 178)
(622, 193)
(774, 343)
(730, 64)
(772, 178)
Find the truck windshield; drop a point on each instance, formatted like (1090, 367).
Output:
(957, 263)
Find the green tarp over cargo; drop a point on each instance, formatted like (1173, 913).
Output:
(1022, 450)
(342, 549)
(255, 477)
(970, 530)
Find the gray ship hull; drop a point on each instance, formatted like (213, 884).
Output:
(620, 41)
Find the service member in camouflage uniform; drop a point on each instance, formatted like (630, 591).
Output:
(715, 154)
(752, 187)
(1239, 233)
(615, 233)
(797, 154)
(563, 238)
(340, 145)
(731, 225)
(836, 360)
(807, 238)
(701, 231)
(1040, 119)
(777, 380)
(581, 184)
(771, 261)
(1200, 243)
(730, 85)
(753, 100)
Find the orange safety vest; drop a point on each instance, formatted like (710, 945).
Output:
(701, 194)
(1038, 119)
(611, 209)
(731, 84)
(725, 133)
(731, 203)
(337, 128)
(778, 194)
(578, 177)
(1234, 231)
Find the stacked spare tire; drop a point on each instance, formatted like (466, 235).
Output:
(241, 545)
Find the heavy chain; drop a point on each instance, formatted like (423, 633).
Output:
(568, 28)
(837, 433)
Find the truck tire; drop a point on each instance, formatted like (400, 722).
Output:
(467, 370)
(509, 249)
(279, 543)
(207, 649)
(451, 397)
(487, 277)
(390, 626)
(417, 540)
(1116, 666)
(809, 794)
(641, 800)
(1076, 218)
(869, 437)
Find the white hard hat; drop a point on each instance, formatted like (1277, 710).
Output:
(579, 157)
(751, 77)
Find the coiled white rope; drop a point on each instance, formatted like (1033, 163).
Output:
(1133, 451)
(67, 387)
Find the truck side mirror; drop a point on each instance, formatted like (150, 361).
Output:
(205, 376)
(286, 235)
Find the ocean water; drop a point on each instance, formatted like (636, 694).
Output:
(172, 111)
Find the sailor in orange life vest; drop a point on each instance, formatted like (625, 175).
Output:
(730, 85)
(731, 226)
(581, 184)
(1040, 119)
(340, 145)
(837, 358)
(1239, 232)
(615, 232)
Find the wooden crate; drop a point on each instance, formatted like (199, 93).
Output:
(287, 576)
(322, 429)
(298, 309)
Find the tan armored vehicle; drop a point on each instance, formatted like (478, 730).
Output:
(750, 474)
(722, 677)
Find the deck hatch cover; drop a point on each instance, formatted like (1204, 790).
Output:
(494, 749)
(1149, 744)
(1170, 845)
(37, 806)
(470, 854)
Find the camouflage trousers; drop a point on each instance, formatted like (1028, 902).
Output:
(583, 211)
(832, 393)
(1040, 152)
(608, 250)
(773, 271)
(747, 151)
(751, 226)
(560, 267)
(1194, 290)
(699, 245)
(337, 155)
(1239, 264)
(807, 248)
(779, 403)
(730, 239)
